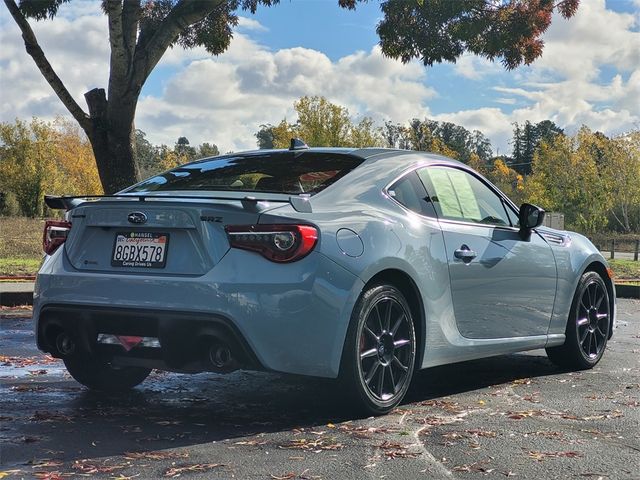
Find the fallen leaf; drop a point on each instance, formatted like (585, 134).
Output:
(473, 467)
(92, 468)
(6, 473)
(196, 467)
(316, 445)
(50, 417)
(162, 455)
(540, 456)
(52, 475)
(396, 450)
(481, 433)
(47, 463)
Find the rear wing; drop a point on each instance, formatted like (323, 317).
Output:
(300, 203)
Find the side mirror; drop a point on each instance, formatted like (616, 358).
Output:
(530, 216)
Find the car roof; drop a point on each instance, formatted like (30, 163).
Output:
(369, 154)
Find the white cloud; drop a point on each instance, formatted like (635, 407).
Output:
(566, 84)
(224, 100)
(81, 65)
(505, 101)
(246, 23)
(594, 37)
(474, 68)
(589, 73)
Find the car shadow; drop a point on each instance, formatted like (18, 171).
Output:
(172, 411)
(472, 375)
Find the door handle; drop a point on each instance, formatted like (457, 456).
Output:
(465, 254)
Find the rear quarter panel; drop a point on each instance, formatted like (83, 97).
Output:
(572, 261)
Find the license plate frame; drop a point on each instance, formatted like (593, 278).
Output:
(140, 257)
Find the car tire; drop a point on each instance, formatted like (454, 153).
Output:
(97, 374)
(588, 326)
(380, 350)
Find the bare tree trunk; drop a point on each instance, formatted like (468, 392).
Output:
(110, 135)
(109, 124)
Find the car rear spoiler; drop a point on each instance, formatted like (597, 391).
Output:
(300, 203)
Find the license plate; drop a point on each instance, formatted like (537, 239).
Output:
(140, 249)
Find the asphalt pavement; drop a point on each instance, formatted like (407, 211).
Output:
(509, 416)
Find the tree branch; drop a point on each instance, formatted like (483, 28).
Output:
(131, 12)
(119, 58)
(183, 15)
(33, 49)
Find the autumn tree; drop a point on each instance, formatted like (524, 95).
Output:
(566, 179)
(445, 138)
(620, 167)
(153, 159)
(141, 31)
(44, 157)
(320, 123)
(507, 180)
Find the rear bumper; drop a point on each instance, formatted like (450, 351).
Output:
(290, 318)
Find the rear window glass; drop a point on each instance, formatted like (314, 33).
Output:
(282, 172)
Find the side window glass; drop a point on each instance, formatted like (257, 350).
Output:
(515, 221)
(410, 192)
(458, 195)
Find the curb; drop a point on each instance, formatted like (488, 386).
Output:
(14, 299)
(627, 291)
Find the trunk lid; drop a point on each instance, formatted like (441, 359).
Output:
(128, 236)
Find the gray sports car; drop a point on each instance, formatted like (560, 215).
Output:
(357, 264)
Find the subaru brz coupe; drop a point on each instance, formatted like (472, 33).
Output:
(357, 264)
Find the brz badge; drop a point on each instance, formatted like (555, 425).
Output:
(137, 217)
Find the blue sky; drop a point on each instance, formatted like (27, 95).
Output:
(589, 74)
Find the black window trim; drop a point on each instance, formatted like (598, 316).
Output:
(505, 200)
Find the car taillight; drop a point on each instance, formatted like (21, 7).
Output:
(278, 243)
(55, 233)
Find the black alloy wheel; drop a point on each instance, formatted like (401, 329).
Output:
(588, 326)
(380, 350)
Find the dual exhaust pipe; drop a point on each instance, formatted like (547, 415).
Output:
(220, 358)
(218, 355)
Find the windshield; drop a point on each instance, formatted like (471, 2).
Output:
(276, 172)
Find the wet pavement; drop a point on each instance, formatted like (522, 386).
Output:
(514, 415)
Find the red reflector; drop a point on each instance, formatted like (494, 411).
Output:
(128, 342)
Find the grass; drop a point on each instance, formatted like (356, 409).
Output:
(21, 237)
(625, 269)
(20, 245)
(19, 266)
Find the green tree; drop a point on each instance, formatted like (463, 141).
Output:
(182, 148)
(445, 138)
(141, 31)
(207, 150)
(321, 123)
(620, 167)
(265, 137)
(566, 179)
(145, 154)
(526, 140)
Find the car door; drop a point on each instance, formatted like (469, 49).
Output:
(501, 284)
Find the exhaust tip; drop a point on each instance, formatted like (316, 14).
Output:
(220, 356)
(65, 344)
